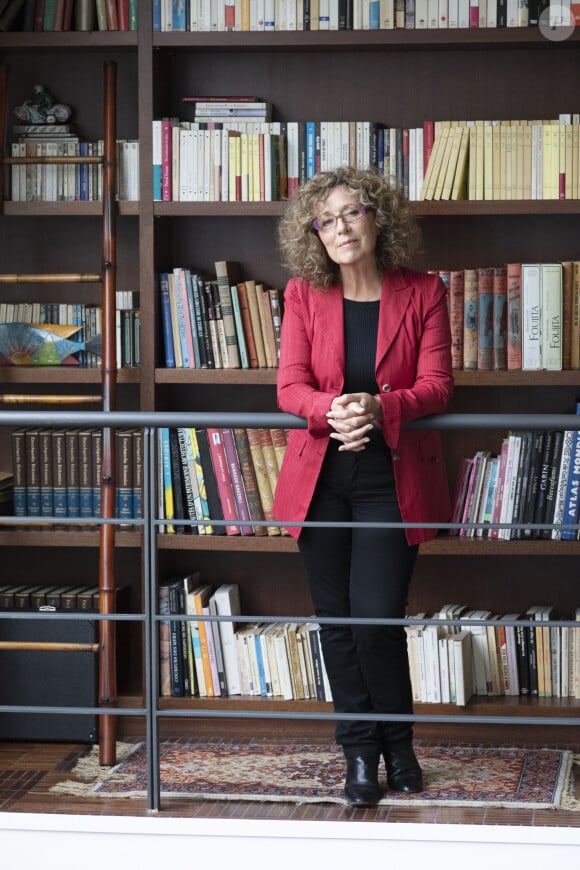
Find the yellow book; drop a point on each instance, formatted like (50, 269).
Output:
(453, 144)
(488, 161)
(480, 158)
(233, 145)
(567, 163)
(257, 169)
(245, 174)
(575, 155)
(428, 188)
(496, 159)
(165, 471)
(546, 134)
(459, 190)
(245, 15)
(558, 157)
(510, 163)
(446, 158)
(471, 186)
(524, 145)
(503, 128)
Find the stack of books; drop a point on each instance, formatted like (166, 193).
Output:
(219, 323)
(217, 658)
(224, 475)
(534, 480)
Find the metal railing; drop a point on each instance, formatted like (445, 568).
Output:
(149, 422)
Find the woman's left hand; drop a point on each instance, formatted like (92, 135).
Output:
(351, 416)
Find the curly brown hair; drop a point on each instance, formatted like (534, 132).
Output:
(304, 255)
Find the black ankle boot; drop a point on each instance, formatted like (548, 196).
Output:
(361, 788)
(403, 770)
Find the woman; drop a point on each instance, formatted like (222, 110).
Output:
(365, 348)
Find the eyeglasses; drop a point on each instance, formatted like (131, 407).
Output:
(327, 223)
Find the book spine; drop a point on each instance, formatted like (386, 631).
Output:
(235, 472)
(59, 472)
(514, 316)
(224, 483)
(19, 472)
(470, 321)
(500, 319)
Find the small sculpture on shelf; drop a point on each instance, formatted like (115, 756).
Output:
(42, 109)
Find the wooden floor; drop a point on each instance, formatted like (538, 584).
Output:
(28, 770)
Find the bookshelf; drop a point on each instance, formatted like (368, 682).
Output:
(401, 78)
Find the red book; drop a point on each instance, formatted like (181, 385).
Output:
(123, 14)
(233, 462)
(166, 156)
(247, 326)
(514, 316)
(428, 139)
(456, 316)
(224, 483)
(500, 318)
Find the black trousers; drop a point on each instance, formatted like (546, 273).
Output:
(361, 572)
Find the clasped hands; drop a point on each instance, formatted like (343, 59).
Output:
(352, 416)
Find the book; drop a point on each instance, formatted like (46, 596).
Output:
(227, 602)
(227, 274)
(470, 319)
(209, 484)
(250, 481)
(531, 316)
(237, 481)
(514, 315)
(223, 480)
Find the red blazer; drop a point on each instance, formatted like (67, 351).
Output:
(413, 371)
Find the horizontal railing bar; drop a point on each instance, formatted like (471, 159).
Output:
(50, 278)
(62, 159)
(81, 711)
(249, 420)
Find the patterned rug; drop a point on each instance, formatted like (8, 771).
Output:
(314, 772)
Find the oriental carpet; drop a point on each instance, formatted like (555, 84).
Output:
(300, 772)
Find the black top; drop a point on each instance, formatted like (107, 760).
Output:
(361, 327)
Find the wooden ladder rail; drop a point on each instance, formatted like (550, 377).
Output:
(107, 278)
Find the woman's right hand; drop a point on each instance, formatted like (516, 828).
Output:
(351, 421)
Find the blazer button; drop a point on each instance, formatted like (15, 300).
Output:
(386, 388)
(396, 456)
(434, 459)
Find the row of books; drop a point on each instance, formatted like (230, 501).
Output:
(89, 318)
(57, 473)
(533, 480)
(451, 663)
(216, 658)
(68, 182)
(221, 323)
(504, 160)
(267, 15)
(64, 15)
(224, 475)
(515, 316)
(29, 596)
(252, 161)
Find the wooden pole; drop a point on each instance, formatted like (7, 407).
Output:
(3, 119)
(107, 633)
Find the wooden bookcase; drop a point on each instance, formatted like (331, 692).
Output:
(400, 78)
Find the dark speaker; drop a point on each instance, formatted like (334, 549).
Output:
(49, 678)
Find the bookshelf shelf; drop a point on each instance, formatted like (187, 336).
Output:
(63, 375)
(229, 543)
(337, 40)
(54, 538)
(450, 545)
(423, 208)
(257, 377)
(109, 40)
(62, 209)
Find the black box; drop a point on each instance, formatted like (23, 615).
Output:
(49, 678)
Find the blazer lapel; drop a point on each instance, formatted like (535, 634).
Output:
(330, 313)
(395, 297)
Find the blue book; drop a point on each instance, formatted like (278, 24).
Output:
(73, 495)
(310, 149)
(166, 321)
(178, 14)
(374, 7)
(182, 314)
(572, 498)
(84, 172)
(260, 661)
(156, 16)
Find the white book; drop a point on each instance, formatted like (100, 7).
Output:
(333, 15)
(227, 603)
(512, 14)
(431, 653)
(483, 4)
(433, 14)
(414, 655)
(269, 15)
(421, 14)
(551, 306)
(463, 13)
(531, 316)
(510, 479)
(324, 15)
(561, 486)
(453, 16)
(443, 650)
(386, 15)
(281, 647)
(443, 14)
